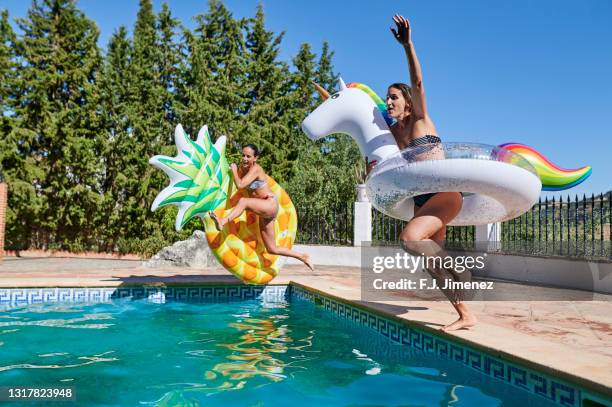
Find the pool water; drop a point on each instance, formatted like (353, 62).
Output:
(247, 353)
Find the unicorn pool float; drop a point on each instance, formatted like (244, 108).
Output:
(200, 182)
(498, 182)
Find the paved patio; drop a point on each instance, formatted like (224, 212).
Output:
(570, 339)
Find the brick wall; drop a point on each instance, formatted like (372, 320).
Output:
(3, 197)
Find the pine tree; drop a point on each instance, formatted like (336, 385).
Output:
(213, 85)
(325, 173)
(303, 186)
(12, 153)
(171, 58)
(266, 100)
(325, 75)
(78, 133)
(171, 66)
(340, 149)
(263, 68)
(56, 109)
(148, 126)
(119, 154)
(7, 67)
(305, 66)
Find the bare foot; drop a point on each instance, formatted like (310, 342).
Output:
(463, 322)
(307, 262)
(218, 222)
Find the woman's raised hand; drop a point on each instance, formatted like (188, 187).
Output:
(233, 167)
(402, 30)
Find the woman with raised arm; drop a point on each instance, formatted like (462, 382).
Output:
(261, 201)
(413, 127)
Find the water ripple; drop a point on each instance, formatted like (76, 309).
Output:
(88, 361)
(65, 323)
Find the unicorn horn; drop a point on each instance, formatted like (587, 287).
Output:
(342, 84)
(324, 94)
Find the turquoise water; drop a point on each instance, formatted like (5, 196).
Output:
(248, 353)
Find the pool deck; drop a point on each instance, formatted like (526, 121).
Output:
(569, 339)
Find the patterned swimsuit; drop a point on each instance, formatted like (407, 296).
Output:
(260, 184)
(420, 200)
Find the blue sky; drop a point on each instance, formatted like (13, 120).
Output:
(535, 72)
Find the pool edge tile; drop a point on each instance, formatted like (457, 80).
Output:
(527, 375)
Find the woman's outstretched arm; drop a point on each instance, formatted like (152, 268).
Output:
(403, 35)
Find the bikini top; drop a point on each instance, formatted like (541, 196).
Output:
(419, 146)
(427, 139)
(256, 184)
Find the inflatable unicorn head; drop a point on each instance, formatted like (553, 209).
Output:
(357, 111)
(499, 183)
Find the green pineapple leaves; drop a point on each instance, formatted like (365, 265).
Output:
(199, 178)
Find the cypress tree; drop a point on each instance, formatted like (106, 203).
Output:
(266, 100)
(57, 106)
(12, 153)
(339, 149)
(305, 66)
(148, 127)
(171, 58)
(304, 184)
(7, 68)
(213, 84)
(325, 173)
(78, 133)
(120, 155)
(324, 74)
(171, 67)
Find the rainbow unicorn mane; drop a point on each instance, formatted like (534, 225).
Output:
(553, 177)
(380, 104)
(324, 120)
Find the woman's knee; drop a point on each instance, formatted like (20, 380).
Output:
(410, 240)
(242, 202)
(440, 236)
(411, 235)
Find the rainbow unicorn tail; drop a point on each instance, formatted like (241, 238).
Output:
(553, 178)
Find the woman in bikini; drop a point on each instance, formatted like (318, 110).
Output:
(261, 201)
(413, 127)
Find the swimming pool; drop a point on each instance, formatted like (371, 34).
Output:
(245, 345)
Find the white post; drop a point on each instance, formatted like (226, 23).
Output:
(490, 233)
(362, 223)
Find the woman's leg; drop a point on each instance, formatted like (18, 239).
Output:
(266, 226)
(261, 207)
(425, 235)
(466, 318)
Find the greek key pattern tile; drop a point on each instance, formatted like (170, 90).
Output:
(523, 378)
(10, 297)
(24, 296)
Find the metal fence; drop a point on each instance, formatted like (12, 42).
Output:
(386, 231)
(553, 227)
(335, 226)
(562, 227)
(332, 226)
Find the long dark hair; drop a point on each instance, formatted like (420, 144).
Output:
(405, 89)
(253, 147)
